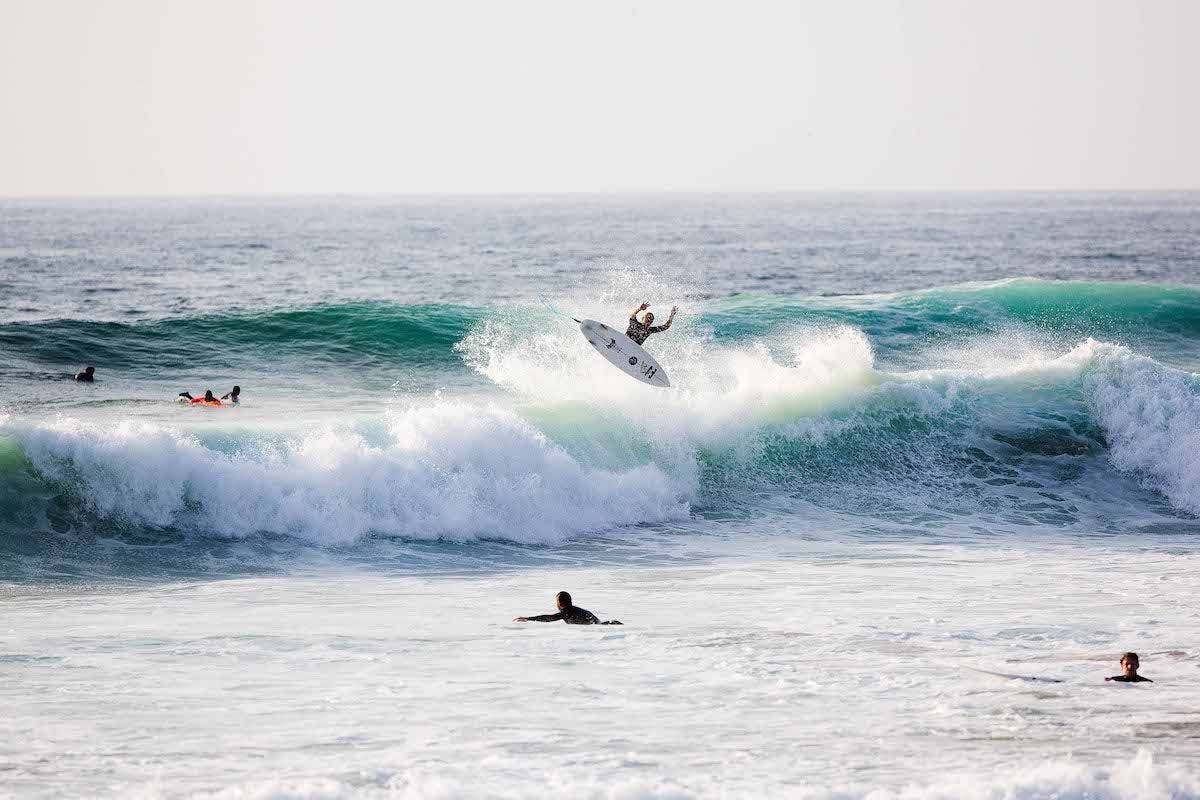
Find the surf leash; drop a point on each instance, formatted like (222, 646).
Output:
(554, 310)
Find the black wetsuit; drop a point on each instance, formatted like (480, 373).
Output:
(1130, 679)
(640, 332)
(573, 615)
(86, 377)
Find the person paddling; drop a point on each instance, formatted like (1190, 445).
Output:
(640, 330)
(569, 613)
(207, 400)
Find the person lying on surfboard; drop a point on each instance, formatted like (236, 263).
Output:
(207, 400)
(640, 331)
(569, 613)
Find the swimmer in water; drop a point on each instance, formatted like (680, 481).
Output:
(232, 394)
(88, 375)
(1129, 670)
(640, 330)
(569, 613)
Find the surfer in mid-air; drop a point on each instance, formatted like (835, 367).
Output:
(569, 613)
(640, 331)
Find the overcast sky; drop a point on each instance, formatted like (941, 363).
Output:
(226, 96)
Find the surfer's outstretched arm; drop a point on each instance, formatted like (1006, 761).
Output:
(541, 618)
(667, 324)
(633, 314)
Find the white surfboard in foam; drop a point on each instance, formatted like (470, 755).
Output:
(623, 353)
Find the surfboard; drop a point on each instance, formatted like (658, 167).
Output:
(624, 353)
(1012, 677)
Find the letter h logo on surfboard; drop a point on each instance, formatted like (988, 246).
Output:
(623, 353)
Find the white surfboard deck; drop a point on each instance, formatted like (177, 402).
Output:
(624, 353)
(1012, 677)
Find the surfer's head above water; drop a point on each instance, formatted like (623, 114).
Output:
(569, 613)
(1129, 670)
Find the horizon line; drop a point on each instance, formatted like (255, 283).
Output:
(588, 193)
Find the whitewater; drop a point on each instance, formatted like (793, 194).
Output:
(911, 442)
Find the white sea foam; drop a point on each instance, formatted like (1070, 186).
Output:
(1139, 778)
(799, 371)
(419, 784)
(448, 470)
(1151, 418)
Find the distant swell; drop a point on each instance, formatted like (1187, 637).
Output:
(364, 334)
(383, 335)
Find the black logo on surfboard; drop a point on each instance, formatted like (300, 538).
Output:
(633, 361)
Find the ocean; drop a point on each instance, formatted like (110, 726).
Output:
(928, 465)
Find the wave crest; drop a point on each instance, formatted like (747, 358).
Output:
(447, 471)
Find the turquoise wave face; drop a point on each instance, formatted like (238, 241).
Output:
(1164, 321)
(351, 335)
